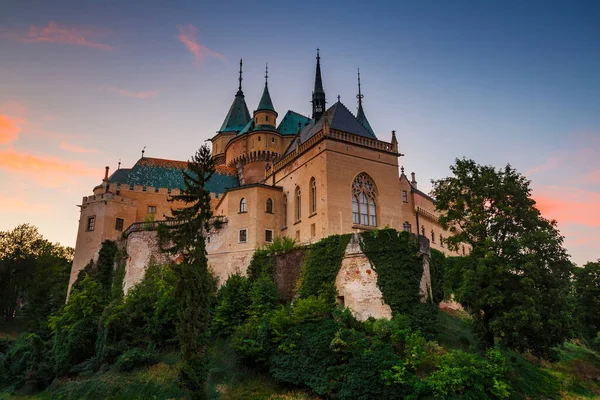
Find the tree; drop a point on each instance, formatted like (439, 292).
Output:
(587, 295)
(517, 278)
(195, 285)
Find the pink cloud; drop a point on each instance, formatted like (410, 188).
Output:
(128, 93)
(17, 205)
(46, 171)
(569, 205)
(187, 36)
(9, 129)
(76, 148)
(53, 33)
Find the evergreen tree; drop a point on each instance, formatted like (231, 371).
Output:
(587, 294)
(517, 279)
(186, 233)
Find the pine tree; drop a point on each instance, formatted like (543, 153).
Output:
(186, 233)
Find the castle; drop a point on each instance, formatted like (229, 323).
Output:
(304, 177)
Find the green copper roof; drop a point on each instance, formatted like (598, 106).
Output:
(289, 123)
(162, 173)
(265, 103)
(247, 128)
(238, 115)
(362, 118)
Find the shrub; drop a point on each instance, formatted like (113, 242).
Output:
(137, 357)
(233, 301)
(26, 362)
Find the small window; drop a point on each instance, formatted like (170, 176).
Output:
(118, 186)
(267, 118)
(169, 190)
(297, 236)
(151, 209)
(406, 226)
(432, 237)
(216, 195)
(313, 230)
(243, 205)
(404, 196)
(155, 190)
(91, 223)
(269, 235)
(272, 140)
(143, 188)
(269, 208)
(243, 235)
(259, 137)
(131, 186)
(119, 224)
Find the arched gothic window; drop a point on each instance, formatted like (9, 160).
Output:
(243, 205)
(313, 196)
(269, 208)
(298, 204)
(364, 209)
(284, 211)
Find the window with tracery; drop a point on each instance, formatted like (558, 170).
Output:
(269, 207)
(364, 210)
(313, 196)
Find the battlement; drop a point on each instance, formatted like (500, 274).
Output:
(107, 197)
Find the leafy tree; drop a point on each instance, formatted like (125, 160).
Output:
(195, 285)
(34, 274)
(587, 294)
(517, 280)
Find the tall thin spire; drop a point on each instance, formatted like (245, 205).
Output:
(360, 115)
(266, 73)
(239, 92)
(265, 101)
(318, 96)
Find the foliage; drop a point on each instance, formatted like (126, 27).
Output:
(281, 245)
(34, 275)
(261, 263)
(461, 375)
(437, 268)
(321, 266)
(26, 362)
(137, 357)
(75, 328)
(517, 280)
(587, 297)
(195, 285)
(233, 301)
(105, 265)
(399, 271)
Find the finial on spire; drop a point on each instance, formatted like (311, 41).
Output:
(402, 169)
(119, 167)
(143, 151)
(240, 78)
(266, 74)
(339, 98)
(359, 96)
(318, 56)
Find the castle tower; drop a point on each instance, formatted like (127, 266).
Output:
(318, 96)
(265, 114)
(237, 118)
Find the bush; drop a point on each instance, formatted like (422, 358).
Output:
(137, 357)
(26, 362)
(233, 302)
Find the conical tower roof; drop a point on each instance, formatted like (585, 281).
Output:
(265, 103)
(238, 115)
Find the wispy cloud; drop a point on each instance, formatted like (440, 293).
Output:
(74, 148)
(9, 129)
(129, 93)
(46, 171)
(53, 33)
(569, 205)
(187, 36)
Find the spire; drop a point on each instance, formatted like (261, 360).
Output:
(239, 92)
(265, 101)
(318, 96)
(360, 115)
(238, 115)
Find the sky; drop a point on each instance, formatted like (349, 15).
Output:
(84, 84)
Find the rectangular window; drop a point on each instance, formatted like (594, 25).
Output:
(151, 209)
(407, 227)
(119, 224)
(243, 235)
(143, 188)
(91, 223)
(313, 230)
(404, 196)
(268, 235)
(298, 236)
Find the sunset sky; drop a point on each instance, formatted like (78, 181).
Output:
(84, 84)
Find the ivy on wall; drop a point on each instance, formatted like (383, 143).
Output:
(321, 266)
(437, 268)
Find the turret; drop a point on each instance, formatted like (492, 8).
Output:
(318, 96)
(265, 114)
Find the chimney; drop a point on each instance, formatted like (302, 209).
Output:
(105, 173)
(413, 182)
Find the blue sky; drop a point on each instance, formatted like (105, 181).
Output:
(84, 84)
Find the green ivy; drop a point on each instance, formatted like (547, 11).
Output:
(437, 268)
(321, 266)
